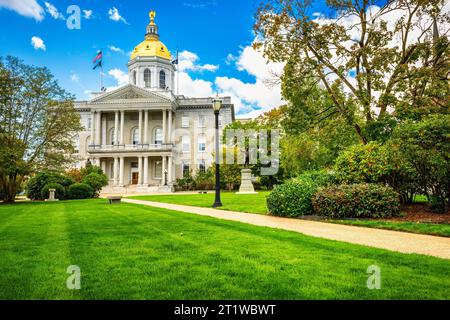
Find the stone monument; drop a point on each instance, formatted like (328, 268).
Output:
(246, 182)
(51, 196)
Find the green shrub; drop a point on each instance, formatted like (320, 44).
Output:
(97, 181)
(60, 192)
(377, 163)
(356, 201)
(320, 177)
(292, 199)
(187, 183)
(36, 183)
(80, 191)
(425, 145)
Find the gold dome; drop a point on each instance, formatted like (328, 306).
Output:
(151, 46)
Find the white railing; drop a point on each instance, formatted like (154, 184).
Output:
(130, 147)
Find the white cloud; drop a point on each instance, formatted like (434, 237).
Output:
(116, 49)
(26, 8)
(120, 76)
(87, 14)
(188, 62)
(115, 15)
(250, 98)
(75, 77)
(53, 11)
(38, 43)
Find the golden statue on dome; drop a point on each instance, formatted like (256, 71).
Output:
(152, 16)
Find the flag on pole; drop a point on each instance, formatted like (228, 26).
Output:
(98, 60)
(176, 60)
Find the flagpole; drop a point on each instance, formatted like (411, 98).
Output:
(178, 74)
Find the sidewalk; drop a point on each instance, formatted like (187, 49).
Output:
(391, 240)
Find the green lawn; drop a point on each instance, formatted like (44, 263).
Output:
(437, 229)
(256, 203)
(252, 203)
(136, 252)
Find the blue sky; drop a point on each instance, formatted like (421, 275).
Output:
(210, 32)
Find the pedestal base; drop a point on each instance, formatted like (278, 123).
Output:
(246, 182)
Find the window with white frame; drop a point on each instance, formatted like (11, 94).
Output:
(89, 123)
(147, 78)
(186, 168)
(185, 121)
(134, 77)
(158, 136)
(162, 79)
(220, 120)
(158, 170)
(112, 136)
(111, 170)
(186, 144)
(201, 143)
(201, 166)
(201, 121)
(135, 136)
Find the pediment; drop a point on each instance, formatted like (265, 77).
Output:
(130, 93)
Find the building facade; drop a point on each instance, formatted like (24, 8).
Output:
(143, 135)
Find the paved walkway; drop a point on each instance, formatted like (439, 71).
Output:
(391, 240)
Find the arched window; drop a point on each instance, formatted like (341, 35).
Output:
(158, 136)
(112, 136)
(147, 78)
(134, 77)
(162, 79)
(135, 136)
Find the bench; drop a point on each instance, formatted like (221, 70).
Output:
(115, 199)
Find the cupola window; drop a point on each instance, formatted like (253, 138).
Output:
(147, 78)
(162, 79)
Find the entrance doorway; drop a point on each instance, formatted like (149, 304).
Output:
(134, 177)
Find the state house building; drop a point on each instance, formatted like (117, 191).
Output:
(142, 134)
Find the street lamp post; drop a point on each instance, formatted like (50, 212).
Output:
(165, 177)
(217, 104)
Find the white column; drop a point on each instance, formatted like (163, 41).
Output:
(122, 127)
(163, 180)
(92, 127)
(116, 128)
(116, 171)
(169, 134)
(145, 127)
(141, 141)
(98, 128)
(104, 130)
(103, 165)
(121, 171)
(140, 160)
(164, 121)
(170, 170)
(146, 171)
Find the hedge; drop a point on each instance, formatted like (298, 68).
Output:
(80, 191)
(292, 199)
(60, 192)
(356, 201)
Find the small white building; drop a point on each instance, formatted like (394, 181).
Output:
(143, 135)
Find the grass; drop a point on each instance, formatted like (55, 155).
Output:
(437, 229)
(129, 251)
(256, 203)
(251, 203)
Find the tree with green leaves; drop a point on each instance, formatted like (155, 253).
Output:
(374, 61)
(38, 123)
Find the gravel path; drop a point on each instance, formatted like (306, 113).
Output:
(391, 240)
